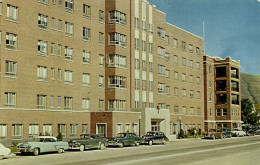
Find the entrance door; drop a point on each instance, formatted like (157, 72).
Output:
(155, 126)
(101, 130)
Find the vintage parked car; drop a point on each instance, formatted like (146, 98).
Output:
(4, 152)
(213, 134)
(42, 144)
(125, 139)
(238, 132)
(87, 141)
(257, 132)
(155, 137)
(226, 132)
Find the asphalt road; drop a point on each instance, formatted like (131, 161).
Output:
(237, 151)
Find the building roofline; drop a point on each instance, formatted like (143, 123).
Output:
(184, 30)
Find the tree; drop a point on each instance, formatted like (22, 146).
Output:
(247, 112)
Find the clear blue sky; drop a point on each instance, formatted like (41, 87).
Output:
(232, 27)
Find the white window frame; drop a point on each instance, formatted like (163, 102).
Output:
(42, 73)
(41, 101)
(42, 21)
(12, 13)
(11, 41)
(86, 79)
(86, 34)
(11, 69)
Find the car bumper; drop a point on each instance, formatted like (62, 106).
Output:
(25, 149)
(113, 144)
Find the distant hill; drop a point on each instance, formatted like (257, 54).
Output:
(250, 87)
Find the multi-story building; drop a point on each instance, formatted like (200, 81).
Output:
(222, 97)
(104, 67)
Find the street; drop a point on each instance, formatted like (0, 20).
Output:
(237, 150)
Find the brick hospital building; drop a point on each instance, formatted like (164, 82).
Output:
(105, 67)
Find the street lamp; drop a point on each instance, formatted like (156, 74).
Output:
(180, 127)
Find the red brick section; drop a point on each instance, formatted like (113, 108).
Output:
(101, 117)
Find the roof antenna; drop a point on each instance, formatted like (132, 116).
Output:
(204, 41)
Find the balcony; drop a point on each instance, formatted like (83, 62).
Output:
(234, 73)
(221, 72)
(221, 85)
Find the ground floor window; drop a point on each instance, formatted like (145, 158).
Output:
(3, 131)
(127, 127)
(62, 129)
(84, 128)
(118, 128)
(47, 129)
(135, 128)
(101, 130)
(17, 131)
(73, 130)
(33, 130)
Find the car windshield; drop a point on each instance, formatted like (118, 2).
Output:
(120, 135)
(150, 133)
(84, 137)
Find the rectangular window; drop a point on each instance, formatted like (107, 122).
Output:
(42, 73)
(62, 129)
(161, 33)
(42, 48)
(175, 43)
(11, 69)
(101, 38)
(176, 109)
(137, 84)
(44, 1)
(198, 66)
(184, 93)
(118, 128)
(53, 2)
(151, 48)
(68, 76)
(73, 130)
(183, 62)
(85, 104)
(191, 94)
(199, 111)
(10, 99)
(59, 102)
(117, 17)
(115, 60)
(151, 28)
(137, 23)
(47, 129)
(86, 11)
(191, 63)
(176, 76)
(12, 12)
(191, 48)
(42, 21)
(86, 79)
(127, 127)
(101, 16)
(69, 28)
(101, 105)
(60, 2)
(86, 34)
(161, 70)
(198, 80)
(17, 131)
(218, 112)
(167, 73)
(52, 48)
(144, 46)
(197, 51)
(176, 91)
(167, 90)
(84, 128)
(59, 74)
(136, 44)
(167, 39)
(52, 23)
(184, 110)
(52, 101)
(1, 8)
(175, 59)
(59, 50)
(68, 53)
(150, 67)
(191, 110)
(69, 5)
(198, 95)
(101, 82)
(117, 82)
(41, 101)
(52, 73)
(117, 105)
(101, 60)
(161, 88)
(144, 27)
(3, 127)
(143, 65)
(144, 86)
(86, 57)
(191, 79)
(183, 77)
(68, 103)
(183, 45)
(33, 130)
(117, 39)
(11, 41)
(60, 25)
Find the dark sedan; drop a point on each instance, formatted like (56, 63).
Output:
(88, 141)
(125, 139)
(155, 137)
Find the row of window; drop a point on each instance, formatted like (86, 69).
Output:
(186, 112)
(46, 129)
(128, 128)
(183, 77)
(184, 93)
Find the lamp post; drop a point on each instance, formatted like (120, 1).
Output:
(180, 128)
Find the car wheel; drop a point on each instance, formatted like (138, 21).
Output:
(150, 142)
(102, 146)
(36, 151)
(137, 144)
(60, 150)
(213, 137)
(163, 142)
(120, 145)
(81, 148)
(221, 136)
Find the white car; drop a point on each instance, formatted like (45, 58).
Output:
(238, 132)
(4, 152)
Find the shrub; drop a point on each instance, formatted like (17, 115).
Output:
(60, 137)
(15, 143)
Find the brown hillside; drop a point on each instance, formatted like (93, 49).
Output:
(250, 87)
